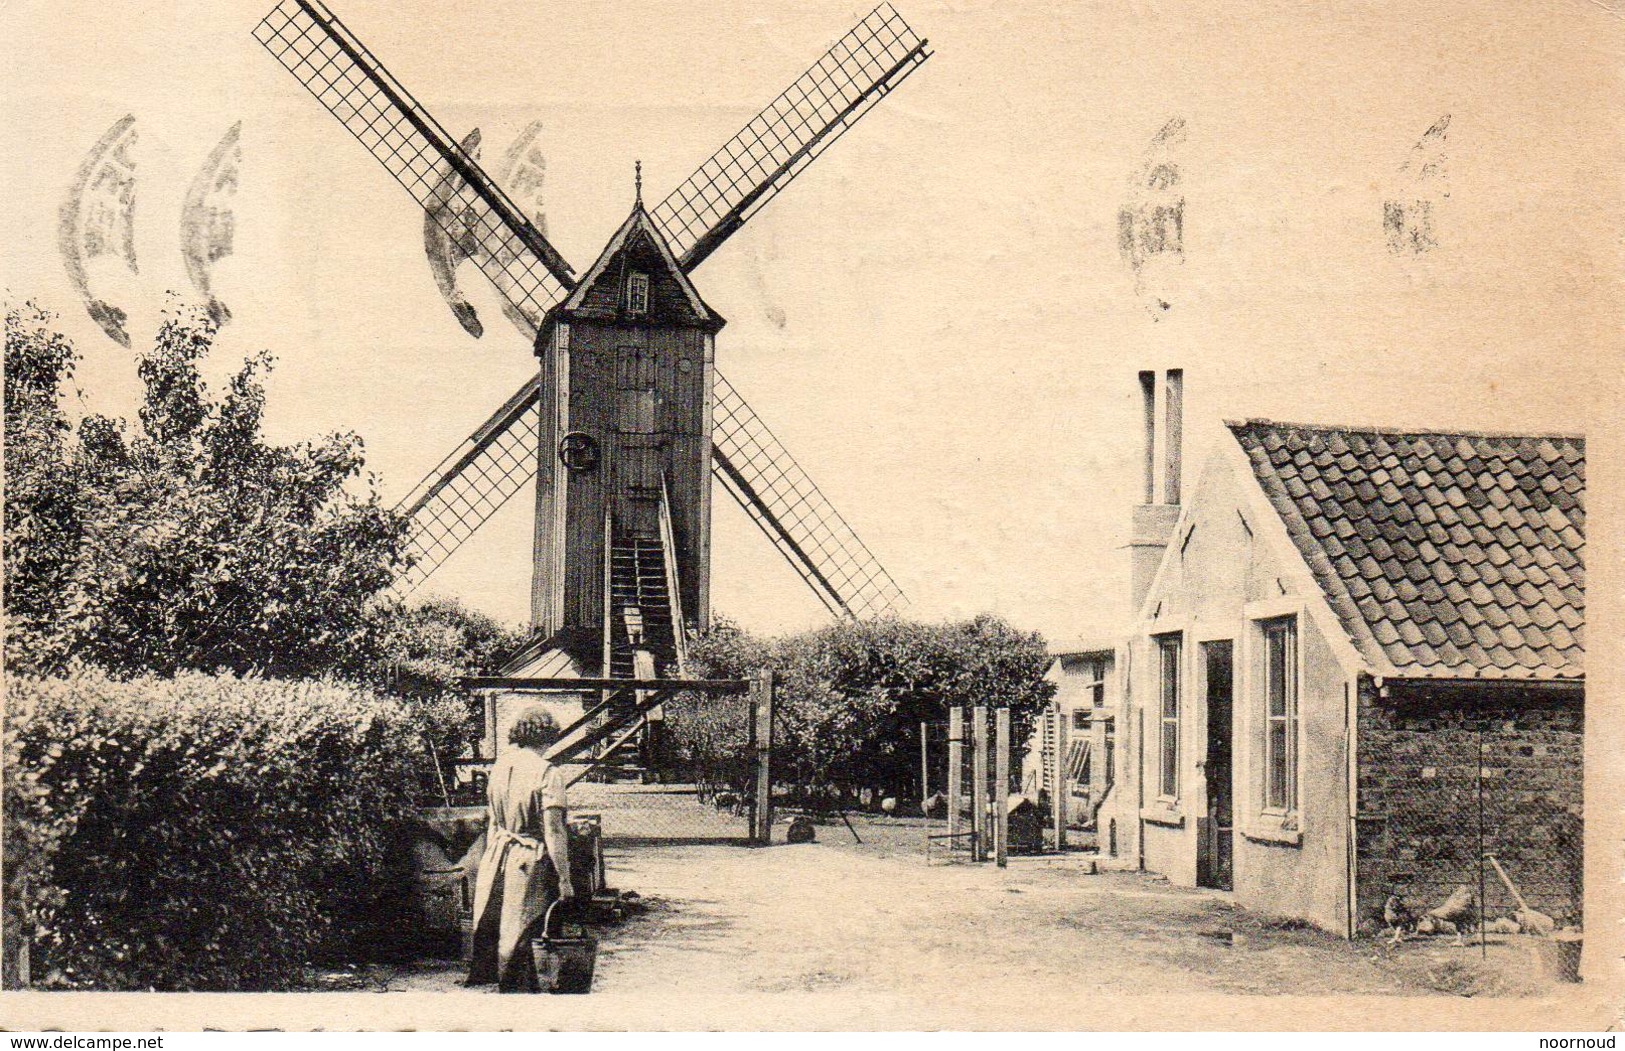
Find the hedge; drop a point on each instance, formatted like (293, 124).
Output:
(201, 832)
(851, 697)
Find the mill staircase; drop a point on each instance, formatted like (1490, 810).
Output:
(637, 582)
(640, 643)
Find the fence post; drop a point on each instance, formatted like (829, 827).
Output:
(978, 788)
(1001, 786)
(1057, 790)
(925, 764)
(761, 739)
(956, 771)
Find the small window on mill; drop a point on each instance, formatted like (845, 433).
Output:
(637, 293)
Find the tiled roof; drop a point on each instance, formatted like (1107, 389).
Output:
(1446, 555)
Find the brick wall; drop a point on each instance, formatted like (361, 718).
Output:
(1419, 796)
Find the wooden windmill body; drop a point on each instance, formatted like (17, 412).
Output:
(623, 499)
(628, 422)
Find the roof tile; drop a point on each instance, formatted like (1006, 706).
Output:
(1462, 554)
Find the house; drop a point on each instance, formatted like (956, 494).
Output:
(1357, 669)
(1077, 740)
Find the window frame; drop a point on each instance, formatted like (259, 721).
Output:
(1259, 816)
(1279, 667)
(637, 293)
(1170, 651)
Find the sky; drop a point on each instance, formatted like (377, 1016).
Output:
(936, 318)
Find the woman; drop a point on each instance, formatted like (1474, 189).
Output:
(526, 865)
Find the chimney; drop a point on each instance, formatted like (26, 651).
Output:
(1152, 523)
(1173, 397)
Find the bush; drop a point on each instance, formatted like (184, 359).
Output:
(185, 541)
(851, 697)
(201, 832)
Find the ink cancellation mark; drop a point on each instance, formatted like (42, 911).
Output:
(208, 220)
(521, 174)
(97, 219)
(1151, 222)
(1410, 209)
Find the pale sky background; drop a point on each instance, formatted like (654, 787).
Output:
(935, 317)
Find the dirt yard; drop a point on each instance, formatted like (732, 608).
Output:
(849, 925)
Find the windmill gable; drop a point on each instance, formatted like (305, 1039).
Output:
(636, 280)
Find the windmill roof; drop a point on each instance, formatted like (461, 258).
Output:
(1444, 554)
(639, 235)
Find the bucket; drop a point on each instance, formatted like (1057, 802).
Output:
(563, 964)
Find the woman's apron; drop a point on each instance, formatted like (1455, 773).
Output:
(516, 881)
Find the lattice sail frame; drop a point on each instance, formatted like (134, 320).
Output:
(752, 168)
(472, 484)
(759, 473)
(383, 116)
(778, 143)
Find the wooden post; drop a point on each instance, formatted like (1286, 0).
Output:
(925, 766)
(761, 739)
(978, 787)
(1001, 787)
(1057, 791)
(956, 771)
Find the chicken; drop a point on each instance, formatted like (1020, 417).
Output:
(1397, 917)
(1455, 916)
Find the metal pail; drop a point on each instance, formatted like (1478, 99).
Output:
(563, 964)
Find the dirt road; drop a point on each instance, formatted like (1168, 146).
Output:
(871, 936)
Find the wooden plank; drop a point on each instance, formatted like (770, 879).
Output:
(978, 788)
(1057, 792)
(925, 764)
(956, 768)
(761, 707)
(1001, 787)
(520, 684)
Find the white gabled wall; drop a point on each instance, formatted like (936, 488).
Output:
(1229, 563)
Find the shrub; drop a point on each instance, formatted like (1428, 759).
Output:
(187, 540)
(201, 832)
(851, 697)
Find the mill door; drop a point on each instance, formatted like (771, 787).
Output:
(1216, 831)
(637, 444)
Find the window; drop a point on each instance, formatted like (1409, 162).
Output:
(1110, 752)
(1095, 671)
(1080, 719)
(1168, 653)
(637, 293)
(1281, 715)
(635, 368)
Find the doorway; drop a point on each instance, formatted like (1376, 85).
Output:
(1216, 831)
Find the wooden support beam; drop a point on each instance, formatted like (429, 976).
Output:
(761, 739)
(1057, 788)
(978, 788)
(1001, 786)
(562, 685)
(925, 764)
(956, 772)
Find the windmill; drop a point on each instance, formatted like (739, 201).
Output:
(628, 419)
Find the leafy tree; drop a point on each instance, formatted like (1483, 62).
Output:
(188, 541)
(42, 512)
(419, 653)
(423, 650)
(852, 695)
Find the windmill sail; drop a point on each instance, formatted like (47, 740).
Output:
(499, 460)
(439, 174)
(765, 479)
(472, 484)
(755, 165)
